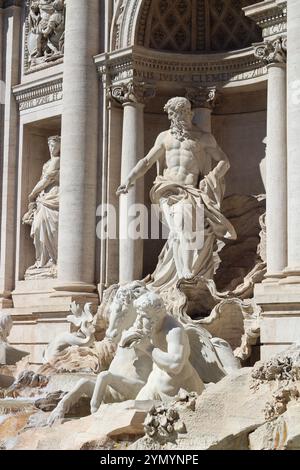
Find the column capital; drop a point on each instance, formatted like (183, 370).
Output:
(202, 97)
(133, 92)
(272, 52)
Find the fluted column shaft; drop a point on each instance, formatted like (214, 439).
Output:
(276, 175)
(11, 17)
(132, 96)
(78, 178)
(131, 250)
(273, 53)
(293, 119)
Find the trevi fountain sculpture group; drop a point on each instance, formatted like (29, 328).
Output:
(150, 340)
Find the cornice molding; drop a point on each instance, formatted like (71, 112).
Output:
(270, 16)
(39, 94)
(156, 67)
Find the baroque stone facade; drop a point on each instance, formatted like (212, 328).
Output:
(121, 122)
(227, 58)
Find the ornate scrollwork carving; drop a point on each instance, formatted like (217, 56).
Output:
(131, 92)
(202, 97)
(272, 52)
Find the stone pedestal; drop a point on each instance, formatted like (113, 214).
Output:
(280, 322)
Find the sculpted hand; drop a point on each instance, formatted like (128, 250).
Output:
(123, 189)
(31, 197)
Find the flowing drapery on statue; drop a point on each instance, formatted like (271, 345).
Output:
(185, 188)
(43, 216)
(185, 200)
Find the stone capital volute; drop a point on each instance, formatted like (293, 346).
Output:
(272, 52)
(202, 97)
(132, 92)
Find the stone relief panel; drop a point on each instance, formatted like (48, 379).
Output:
(185, 25)
(45, 33)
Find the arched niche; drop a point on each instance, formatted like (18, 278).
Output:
(187, 26)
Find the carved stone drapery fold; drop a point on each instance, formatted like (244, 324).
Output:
(202, 97)
(272, 52)
(131, 92)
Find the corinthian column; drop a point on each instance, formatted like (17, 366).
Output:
(132, 96)
(203, 100)
(11, 17)
(273, 53)
(78, 175)
(293, 70)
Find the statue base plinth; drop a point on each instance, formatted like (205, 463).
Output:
(280, 317)
(47, 272)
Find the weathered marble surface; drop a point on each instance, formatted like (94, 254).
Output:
(233, 414)
(103, 430)
(8, 355)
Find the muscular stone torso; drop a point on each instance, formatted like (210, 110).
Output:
(184, 160)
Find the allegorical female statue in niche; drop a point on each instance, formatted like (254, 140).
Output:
(43, 214)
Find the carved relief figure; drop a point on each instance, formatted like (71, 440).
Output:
(185, 184)
(45, 39)
(54, 32)
(42, 215)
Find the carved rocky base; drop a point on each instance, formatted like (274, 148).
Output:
(46, 272)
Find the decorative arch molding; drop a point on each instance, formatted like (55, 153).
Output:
(128, 60)
(125, 23)
(183, 25)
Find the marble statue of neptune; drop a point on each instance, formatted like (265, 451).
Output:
(185, 183)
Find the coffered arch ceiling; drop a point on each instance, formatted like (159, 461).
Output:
(184, 25)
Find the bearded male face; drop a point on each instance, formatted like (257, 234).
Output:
(181, 116)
